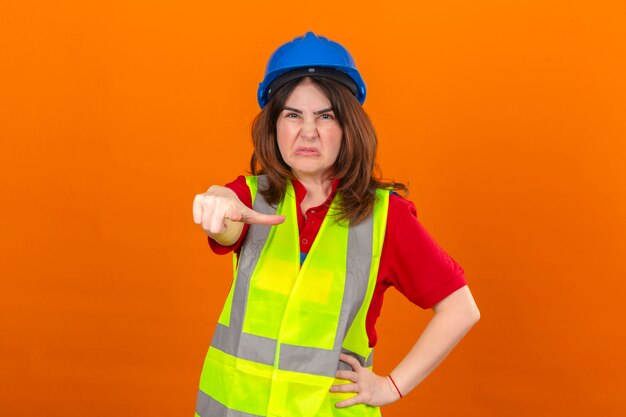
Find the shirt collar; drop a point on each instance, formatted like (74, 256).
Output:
(301, 191)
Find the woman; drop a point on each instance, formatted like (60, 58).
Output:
(317, 239)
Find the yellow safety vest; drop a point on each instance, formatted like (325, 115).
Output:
(276, 347)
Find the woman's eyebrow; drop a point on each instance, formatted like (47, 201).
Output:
(292, 109)
(300, 111)
(323, 111)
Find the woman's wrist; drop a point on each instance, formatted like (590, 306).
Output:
(394, 386)
(230, 236)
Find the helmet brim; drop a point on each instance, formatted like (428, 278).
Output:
(330, 73)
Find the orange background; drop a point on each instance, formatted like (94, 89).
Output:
(506, 118)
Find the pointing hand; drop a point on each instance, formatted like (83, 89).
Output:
(219, 209)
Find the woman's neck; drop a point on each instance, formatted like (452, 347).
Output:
(317, 191)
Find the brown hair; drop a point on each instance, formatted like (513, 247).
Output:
(355, 165)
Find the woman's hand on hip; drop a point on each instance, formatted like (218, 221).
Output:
(371, 389)
(222, 214)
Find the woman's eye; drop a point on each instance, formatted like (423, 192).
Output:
(327, 116)
(292, 115)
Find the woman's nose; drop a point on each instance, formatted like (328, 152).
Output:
(309, 129)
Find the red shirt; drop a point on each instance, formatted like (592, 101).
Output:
(411, 260)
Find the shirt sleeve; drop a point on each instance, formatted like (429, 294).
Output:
(240, 187)
(420, 269)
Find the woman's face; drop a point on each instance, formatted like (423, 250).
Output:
(309, 136)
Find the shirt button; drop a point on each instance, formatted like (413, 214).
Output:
(305, 241)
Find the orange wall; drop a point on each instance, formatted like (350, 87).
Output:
(506, 118)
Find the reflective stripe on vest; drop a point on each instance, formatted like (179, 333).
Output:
(276, 347)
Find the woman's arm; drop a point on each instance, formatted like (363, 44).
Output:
(454, 316)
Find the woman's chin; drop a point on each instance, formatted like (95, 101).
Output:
(310, 172)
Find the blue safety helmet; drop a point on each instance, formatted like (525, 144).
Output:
(310, 55)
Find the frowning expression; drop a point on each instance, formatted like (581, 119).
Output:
(308, 134)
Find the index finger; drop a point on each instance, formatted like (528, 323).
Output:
(350, 360)
(252, 217)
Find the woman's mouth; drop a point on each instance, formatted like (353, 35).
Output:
(307, 151)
